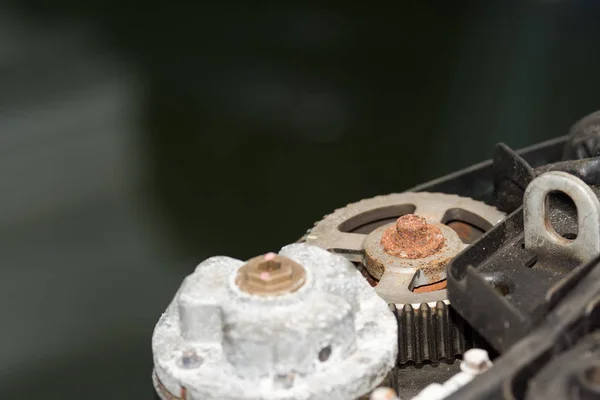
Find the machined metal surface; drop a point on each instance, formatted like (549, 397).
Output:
(343, 230)
(407, 266)
(270, 275)
(540, 236)
(331, 337)
(432, 334)
(355, 231)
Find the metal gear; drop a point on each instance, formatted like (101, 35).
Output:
(428, 328)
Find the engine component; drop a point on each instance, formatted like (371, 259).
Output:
(356, 231)
(575, 374)
(402, 242)
(512, 173)
(539, 235)
(303, 324)
(542, 318)
(481, 181)
(570, 323)
(521, 268)
(409, 258)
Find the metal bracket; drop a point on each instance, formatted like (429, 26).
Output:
(540, 236)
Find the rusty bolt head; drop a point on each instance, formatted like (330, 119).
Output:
(412, 237)
(270, 275)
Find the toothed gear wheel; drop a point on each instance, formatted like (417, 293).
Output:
(428, 328)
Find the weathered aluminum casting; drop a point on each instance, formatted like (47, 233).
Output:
(330, 338)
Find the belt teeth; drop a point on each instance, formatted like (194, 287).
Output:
(431, 334)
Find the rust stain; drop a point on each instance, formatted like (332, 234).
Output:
(166, 393)
(466, 232)
(412, 237)
(372, 281)
(432, 287)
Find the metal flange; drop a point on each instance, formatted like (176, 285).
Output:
(354, 228)
(428, 329)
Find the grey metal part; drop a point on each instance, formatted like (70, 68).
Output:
(399, 274)
(435, 207)
(539, 235)
(328, 234)
(334, 338)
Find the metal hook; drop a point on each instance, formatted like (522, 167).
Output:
(541, 238)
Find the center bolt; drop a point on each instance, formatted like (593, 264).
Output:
(412, 237)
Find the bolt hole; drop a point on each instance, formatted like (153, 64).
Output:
(325, 353)
(190, 360)
(591, 377)
(561, 215)
(501, 288)
(499, 282)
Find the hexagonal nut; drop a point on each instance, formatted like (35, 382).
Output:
(270, 275)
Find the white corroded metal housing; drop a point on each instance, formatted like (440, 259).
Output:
(330, 337)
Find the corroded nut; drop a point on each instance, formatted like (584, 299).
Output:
(412, 237)
(270, 275)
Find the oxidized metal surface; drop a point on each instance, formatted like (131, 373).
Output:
(339, 231)
(345, 231)
(163, 392)
(333, 337)
(466, 232)
(432, 287)
(412, 237)
(270, 275)
(399, 276)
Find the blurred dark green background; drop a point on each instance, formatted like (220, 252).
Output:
(138, 139)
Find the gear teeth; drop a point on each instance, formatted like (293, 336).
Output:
(425, 332)
(431, 333)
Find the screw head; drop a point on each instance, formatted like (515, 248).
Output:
(270, 275)
(189, 360)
